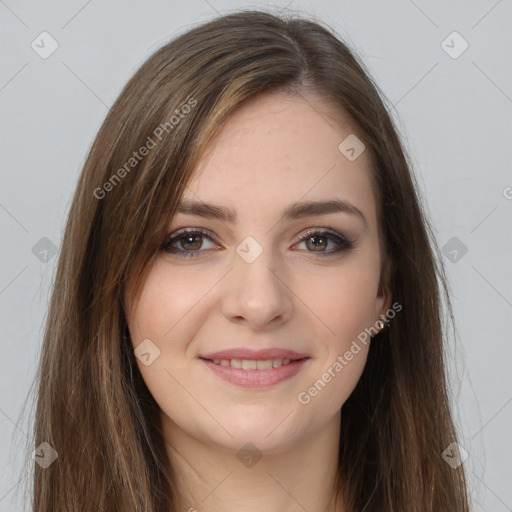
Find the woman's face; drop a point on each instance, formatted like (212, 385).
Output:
(262, 280)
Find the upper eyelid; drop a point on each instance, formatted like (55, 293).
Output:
(185, 231)
(313, 229)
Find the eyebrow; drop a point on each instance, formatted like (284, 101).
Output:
(294, 211)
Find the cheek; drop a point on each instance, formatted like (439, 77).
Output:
(332, 388)
(164, 314)
(167, 303)
(342, 298)
(343, 301)
(168, 313)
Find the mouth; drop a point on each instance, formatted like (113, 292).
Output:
(254, 364)
(256, 373)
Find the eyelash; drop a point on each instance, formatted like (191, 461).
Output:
(344, 243)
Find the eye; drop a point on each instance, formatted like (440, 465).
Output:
(189, 242)
(318, 240)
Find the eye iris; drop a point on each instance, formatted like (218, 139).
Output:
(187, 238)
(321, 245)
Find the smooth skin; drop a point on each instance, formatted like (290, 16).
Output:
(276, 150)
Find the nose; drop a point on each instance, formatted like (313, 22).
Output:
(256, 294)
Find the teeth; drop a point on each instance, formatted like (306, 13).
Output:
(264, 365)
(252, 364)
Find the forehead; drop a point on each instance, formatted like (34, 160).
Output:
(278, 149)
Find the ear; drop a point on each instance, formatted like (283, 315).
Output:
(384, 296)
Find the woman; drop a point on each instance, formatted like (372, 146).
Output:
(247, 308)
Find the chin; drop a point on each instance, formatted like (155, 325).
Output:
(270, 433)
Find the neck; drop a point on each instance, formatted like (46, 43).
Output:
(213, 478)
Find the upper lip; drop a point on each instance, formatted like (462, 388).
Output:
(260, 355)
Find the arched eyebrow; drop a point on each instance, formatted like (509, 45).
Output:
(294, 211)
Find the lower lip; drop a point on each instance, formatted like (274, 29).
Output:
(256, 378)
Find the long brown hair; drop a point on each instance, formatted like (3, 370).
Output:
(93, 407)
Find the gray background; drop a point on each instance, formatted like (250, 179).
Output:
(454, 114)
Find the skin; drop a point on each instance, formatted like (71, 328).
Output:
(276, 150)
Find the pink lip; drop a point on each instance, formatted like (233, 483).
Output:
(261, 355)
(256, 378)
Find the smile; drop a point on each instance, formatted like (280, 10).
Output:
(252, 364)
(252, 373)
